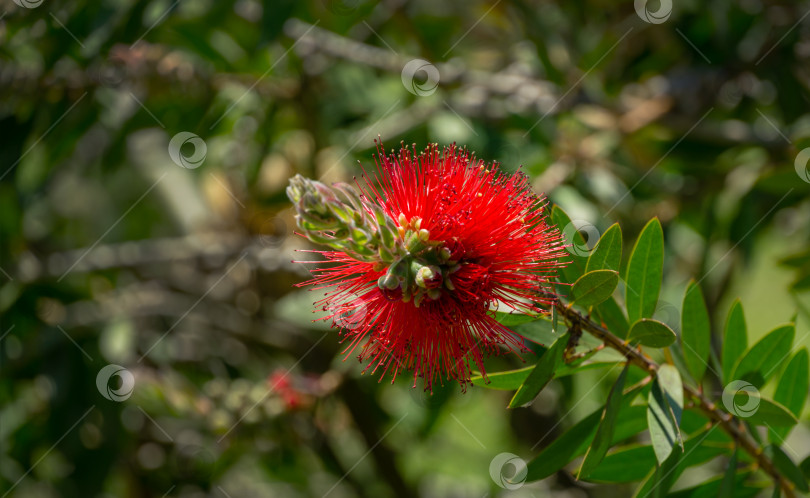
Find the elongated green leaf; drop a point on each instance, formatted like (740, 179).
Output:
(664, 407)
(540, 331)
(594, 287)
(695, 332)
(511, 380)
(604, 434)
(697, 449)
(607, 255)
(575, 441)
(767, 412)
(786, 466)
(511, 319)
(735, 340)
(541, 375)
(571, 272)
(612, 315)
(652, 333)
(791, 392)
(628, 464)
(644, 272)
(727, 485)
(711, 488)
(763, 360)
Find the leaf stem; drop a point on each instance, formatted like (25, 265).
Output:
(733, 427)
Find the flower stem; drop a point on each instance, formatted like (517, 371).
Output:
(733, 427)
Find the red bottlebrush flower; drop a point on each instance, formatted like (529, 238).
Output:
(418, 295)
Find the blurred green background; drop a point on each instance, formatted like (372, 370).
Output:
(172, 258)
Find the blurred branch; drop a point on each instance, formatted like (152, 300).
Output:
(267, 252)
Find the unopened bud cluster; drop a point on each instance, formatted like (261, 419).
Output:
(415, 267)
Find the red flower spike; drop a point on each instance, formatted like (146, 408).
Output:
(470, 238)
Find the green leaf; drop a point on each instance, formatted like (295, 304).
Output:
(652, 333)
(727, 485)
(664, 407)
(511, 380)
(507, 381)
(762, 360)
(594, 287)
(575, 441)
(791, 392)
(607, 255)
(604, 434)
(644, 272)
(511, 319)
(628, 464)
(695, 332)
(785, 465)
(570, 272)
(735, 340)
(767, 412)
(697, 449)
(613, 316)
(541, 375)
(711, 488)
(540, 331)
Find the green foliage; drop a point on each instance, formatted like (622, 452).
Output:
(735, 340)
(594, 287)
(695, 332)
(664, 408)
(541, 374)
(763, 360)
(791, 391)
(607, 255)
(644, 272)
(604, 434)
(652, 333)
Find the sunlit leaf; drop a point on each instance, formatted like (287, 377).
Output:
(735, 340)
(665, 404)
(652, 333)
(765, 357)
(572, 271)
(695, 332)
(607, 255)
(644, 272)
(594, 287)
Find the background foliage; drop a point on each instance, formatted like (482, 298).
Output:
(111, 253)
